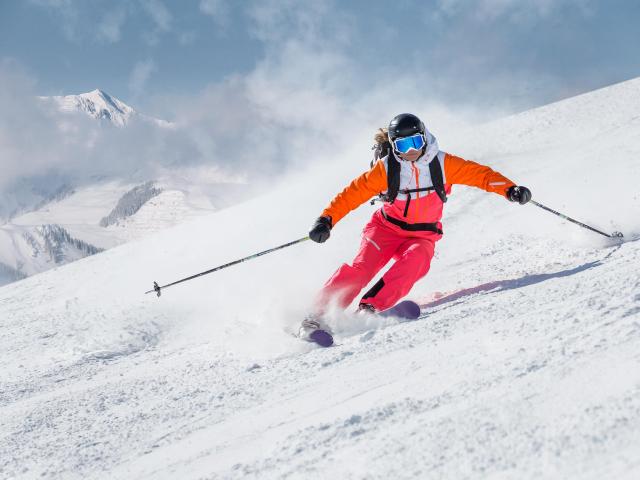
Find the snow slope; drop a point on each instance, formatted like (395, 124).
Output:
(524, 365)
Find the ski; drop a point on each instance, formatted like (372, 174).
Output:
(404, 311)
(321, 337)
(313, 330)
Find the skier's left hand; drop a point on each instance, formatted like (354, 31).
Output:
(519, 194)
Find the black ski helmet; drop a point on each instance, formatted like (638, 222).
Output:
(405, 125)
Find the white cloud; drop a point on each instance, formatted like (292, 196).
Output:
(140, 76)
(52, 3)
(109, 29)
(161, 18)
(186, 38)
(68, 13)
(216, 9)
(159, 13)
(305, 101)
(278, 20)
(23, 125)
(515, 11)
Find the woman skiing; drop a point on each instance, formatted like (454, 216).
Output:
(413, 178)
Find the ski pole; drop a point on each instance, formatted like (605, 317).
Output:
(584, 225)
(157, 288)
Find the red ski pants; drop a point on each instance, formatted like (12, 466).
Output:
(381, 242)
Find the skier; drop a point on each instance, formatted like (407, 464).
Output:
(413, 177)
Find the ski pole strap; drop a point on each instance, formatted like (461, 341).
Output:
(157, 288)
(583, 225)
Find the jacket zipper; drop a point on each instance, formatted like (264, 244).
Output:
(416, 171)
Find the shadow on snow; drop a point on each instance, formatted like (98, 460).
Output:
(504, 285)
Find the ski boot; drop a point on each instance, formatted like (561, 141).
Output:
(365, 308)
(312, 329)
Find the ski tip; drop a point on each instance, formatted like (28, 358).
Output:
(322, 338)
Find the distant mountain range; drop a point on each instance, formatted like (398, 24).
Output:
(60, 222)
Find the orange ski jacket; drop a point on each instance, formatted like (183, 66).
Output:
(456, 171)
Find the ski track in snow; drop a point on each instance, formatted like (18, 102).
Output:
(525, 363)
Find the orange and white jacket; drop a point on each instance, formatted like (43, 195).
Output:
(424, 207)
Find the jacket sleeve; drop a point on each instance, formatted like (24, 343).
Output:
(459, 171)
(360, 190)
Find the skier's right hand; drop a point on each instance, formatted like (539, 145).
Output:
(519, 194)
(320, 230)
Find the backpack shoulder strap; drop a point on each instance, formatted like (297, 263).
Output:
(436, 177)
(393, 177)
(382, 150)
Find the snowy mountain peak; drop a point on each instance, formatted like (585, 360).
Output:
(102, 106)
(101, 97)
(98, 104)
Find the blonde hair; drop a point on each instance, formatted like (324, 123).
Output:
(381, 136)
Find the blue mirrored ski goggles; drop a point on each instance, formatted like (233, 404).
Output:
(403, 145)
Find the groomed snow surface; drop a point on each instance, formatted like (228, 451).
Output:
(525, 364)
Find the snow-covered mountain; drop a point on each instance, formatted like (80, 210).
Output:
(525, 363)
(38, 249)
(101, 106)
(107, 211)
(103, 215)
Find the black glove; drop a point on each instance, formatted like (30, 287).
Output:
(519, 194)
(320, 230)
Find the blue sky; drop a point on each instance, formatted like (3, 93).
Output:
(256, 88)
(508, 53)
